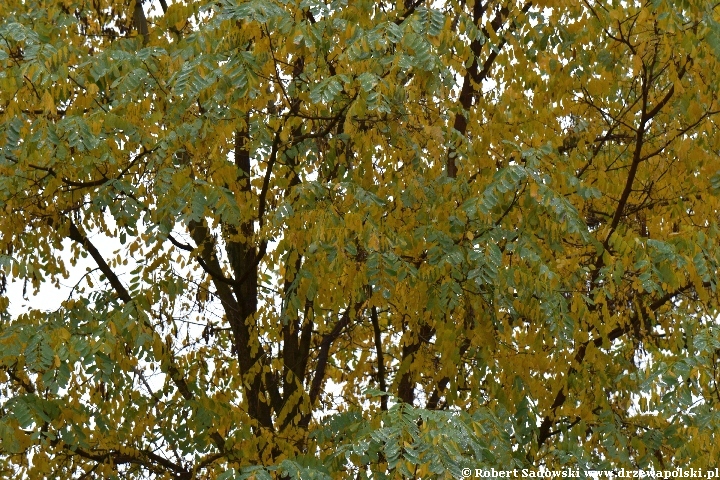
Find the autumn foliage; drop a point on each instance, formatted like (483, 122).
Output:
(339, 239)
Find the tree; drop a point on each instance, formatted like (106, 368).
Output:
(389, 237)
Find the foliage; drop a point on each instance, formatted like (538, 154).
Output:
(501, 217)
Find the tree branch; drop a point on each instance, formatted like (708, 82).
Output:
(380, 357)
(172, 370)
(115, 282)
(322, 359)
(405, 386)
(472, 75)
(617, 332)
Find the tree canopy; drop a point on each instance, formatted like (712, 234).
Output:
(338, 238)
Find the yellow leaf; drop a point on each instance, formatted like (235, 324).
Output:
(48, 103)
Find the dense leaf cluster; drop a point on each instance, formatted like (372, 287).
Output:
(323, 239)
